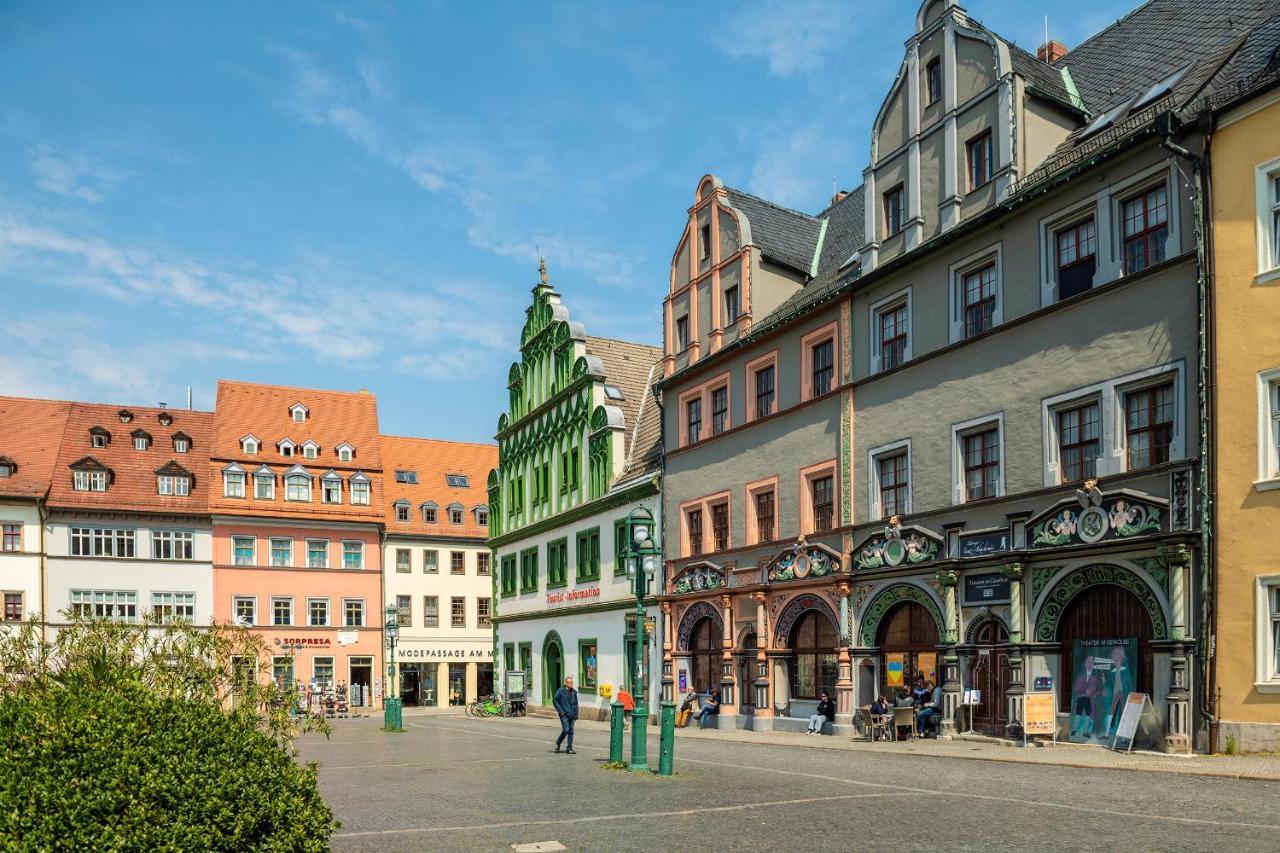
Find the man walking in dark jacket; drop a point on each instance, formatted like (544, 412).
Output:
(566, 705)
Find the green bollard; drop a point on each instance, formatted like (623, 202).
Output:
(667, 743)
(615, 733)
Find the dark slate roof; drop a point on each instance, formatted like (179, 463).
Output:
(631, 367)
(1040, 76)
(1254, 65)
(785, 236)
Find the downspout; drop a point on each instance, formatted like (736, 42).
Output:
(42, 513)
(1202, 195)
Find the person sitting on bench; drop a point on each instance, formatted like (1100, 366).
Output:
(710, 708)
(686, 709)
(825, 712)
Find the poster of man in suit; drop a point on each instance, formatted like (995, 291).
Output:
(1103, 672)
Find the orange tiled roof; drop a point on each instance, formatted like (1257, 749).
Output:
(334, 418)
(132, 484)
(431, 460)
(30, 434)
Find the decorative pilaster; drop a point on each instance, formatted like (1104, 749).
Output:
(668, 675)
(951, 688)
(728, 703)
(844, 681)
(763, 686)
(1177, 734)
(1015, 693)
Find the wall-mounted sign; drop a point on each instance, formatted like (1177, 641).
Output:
(555, 599)
(988, 588)
(322, 642)
(429, 653)
(983, 544)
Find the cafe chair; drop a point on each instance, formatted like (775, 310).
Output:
(904, 718)
(872, 723)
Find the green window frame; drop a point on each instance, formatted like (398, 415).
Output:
(589, 555)
(509, 657)
(619, 547)
(508, 576)
(558, 563)
(588, 675)
(529, 570)
(526, 661)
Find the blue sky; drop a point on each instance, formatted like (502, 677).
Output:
(354, 196)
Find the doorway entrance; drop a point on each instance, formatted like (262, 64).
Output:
(552, 667)
(484, 679)
(705, 647)
(361, 682)
(746, 672)
(989, 673)
(908, 641)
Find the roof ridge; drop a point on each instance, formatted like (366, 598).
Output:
(438, 440)
(773, 204)
(848, 194)
(624, 341)
(268, 385)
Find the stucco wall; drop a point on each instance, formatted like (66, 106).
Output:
(20, 570)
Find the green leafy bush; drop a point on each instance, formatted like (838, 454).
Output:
(142, 738)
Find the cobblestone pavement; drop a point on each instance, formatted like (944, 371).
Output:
(453, 783)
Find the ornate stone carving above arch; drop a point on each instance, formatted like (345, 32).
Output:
(983, 616)
(1072, 583)
(803, 560)
(793, 610)
(691, 617)
(885, 599)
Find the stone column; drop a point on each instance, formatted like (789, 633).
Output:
(950, 658)
(1177, 727)
(844, 682)
(1015, 691)
(728, 702)
(764, 693)
(668, 673)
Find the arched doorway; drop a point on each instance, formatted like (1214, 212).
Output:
(705, 647)
(815, 665)
(988, 672)
(552, 666)
(908, 642)
(1095, 631)
(746, 670)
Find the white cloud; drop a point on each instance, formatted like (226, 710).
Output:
(69, 173)
(787, 169)
(796, 37)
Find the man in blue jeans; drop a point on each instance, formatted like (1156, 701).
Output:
(566, 705)
(710, 709)
(931, 708)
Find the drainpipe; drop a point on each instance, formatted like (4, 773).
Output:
(1201, 198)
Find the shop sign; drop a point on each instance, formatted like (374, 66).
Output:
(440, 653)
(984, 544)
(990, 588)
(572, 596)
(321, 642)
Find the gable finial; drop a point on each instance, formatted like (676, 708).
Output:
(542, 270)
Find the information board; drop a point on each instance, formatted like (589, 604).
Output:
(1040, 715)
(1137, 707)
(990, 588)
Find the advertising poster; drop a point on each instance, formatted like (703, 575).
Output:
(1103, 672)
(894, 663)
(1039, 715)
(684, 681)
(928, 665)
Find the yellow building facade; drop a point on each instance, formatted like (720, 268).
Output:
(1245, 172)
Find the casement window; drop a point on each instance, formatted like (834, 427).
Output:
(12, 537)
(317, 553)
(310, 450)
(693, 419)
(282, 552)
(620, 543)
(359, 491)
(264, 486)
(430, 562)
(1149, 417)
(457, 562)
(693, 527)
(764, 504)
(978, 150)
(89, 481)
(570, 468)
(286, 448)
(13, 607)
(297, 487)
(482, 515)
(403, 558)
(507, 576)
(99, 439)
(1079, 441)
(172, 544)
(353, 612)
(557, 563)
(172, 606)
(404, 610)
(318, 612)
(894, 202)
(456, 515)
(298, 412)
(1146, 228)
(1275, 631)
(353, 555)
(720, 526)
(457, 612)
(765, 390)
(1077, 257)
(402, 513)
(244, 609)
(823, 502)
(892, 324)
(102, 542)
(529, 570)
(181, 445)
(242, 548)
(731, 307)
(894, 483)
(113, 605)
(430, 611)
(6, 470)
(484, 612)
(719, 410)
(482, 563)
(822, 366)
(978, 288)
(980, 455)
(588, 554)
(428, 514)
(682, 333)
(331, 493)
(249, 445)
(175, 485)
(1269, 429)
(1267, 639)
(344, 452)
(457, 481)
(1267, 194)
(233, 484)
(933, 81)
(282, 611)
(282, 671)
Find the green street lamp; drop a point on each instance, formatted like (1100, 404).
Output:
(641, 557)
(392, 716)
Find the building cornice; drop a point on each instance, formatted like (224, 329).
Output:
(608, 502)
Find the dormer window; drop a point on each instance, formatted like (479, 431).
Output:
(482, 516)
(173, 484)
(402, 511)
(429, 510)
(7, 466)
(249, 445)
(233, 481)
(345, 452)
(89, 481)
(310, 450)
(285, 446)
(359, 490)
(181, 442)
(456, 513)
(298, 413)
(458, 481)
(164, 418)
(141, 440)
(297, 485)
(264, 484)
(125, 416)
(99, 437)
(331, 488)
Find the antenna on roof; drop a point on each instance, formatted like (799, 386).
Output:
(188, 398)
(1046, 29)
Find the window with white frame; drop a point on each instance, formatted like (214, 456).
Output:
(282, 611)
(317, 612)
(891, 331)
(1268, 200)
(181, 445)
(1267, 646)
(249, 445)
(114, 605)
(282, 552)
(317, 553)
(141, 442)
(353, 612)
(1275, 631)
(353, 555)
(310, 450)
(359, 491)
(345, 452)
(173, 484)
(889, 475)
(297, 487)
(264, 485)
(331, 489)
(102, 542)
(172, 544)
(172, 606)
(89, 481)
(1269, 429)
(244, 609)
(233, 484)
(242, 548)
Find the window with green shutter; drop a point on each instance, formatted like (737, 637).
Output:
(589, 555)
(557, 563)
(529, 570)
(620, 547)
(507, 577)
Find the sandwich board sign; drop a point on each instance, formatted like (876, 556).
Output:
(1137, 709)
(1039, 716)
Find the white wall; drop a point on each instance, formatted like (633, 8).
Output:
(20, 570)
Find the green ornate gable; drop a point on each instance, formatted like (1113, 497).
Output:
(885, 599)
(1078, 580)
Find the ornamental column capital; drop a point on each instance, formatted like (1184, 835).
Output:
(1013, 571)
(947, 577)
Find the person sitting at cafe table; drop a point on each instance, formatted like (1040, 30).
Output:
(825, 712)
(931, 709)
(920, 693)
(904, 699)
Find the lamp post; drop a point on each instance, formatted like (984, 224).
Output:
(642, 562)
(392, 720)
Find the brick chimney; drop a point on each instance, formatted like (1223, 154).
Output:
(1051, 51)
(839, 196)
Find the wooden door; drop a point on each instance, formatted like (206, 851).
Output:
(989, 673)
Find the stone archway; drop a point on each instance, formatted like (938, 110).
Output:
(700, 610)
(884, 600)
(795, 608)
(1076, 581)
(553, 665)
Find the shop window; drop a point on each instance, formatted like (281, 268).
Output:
(587, 666)
(815, 659)
(1146, 228)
